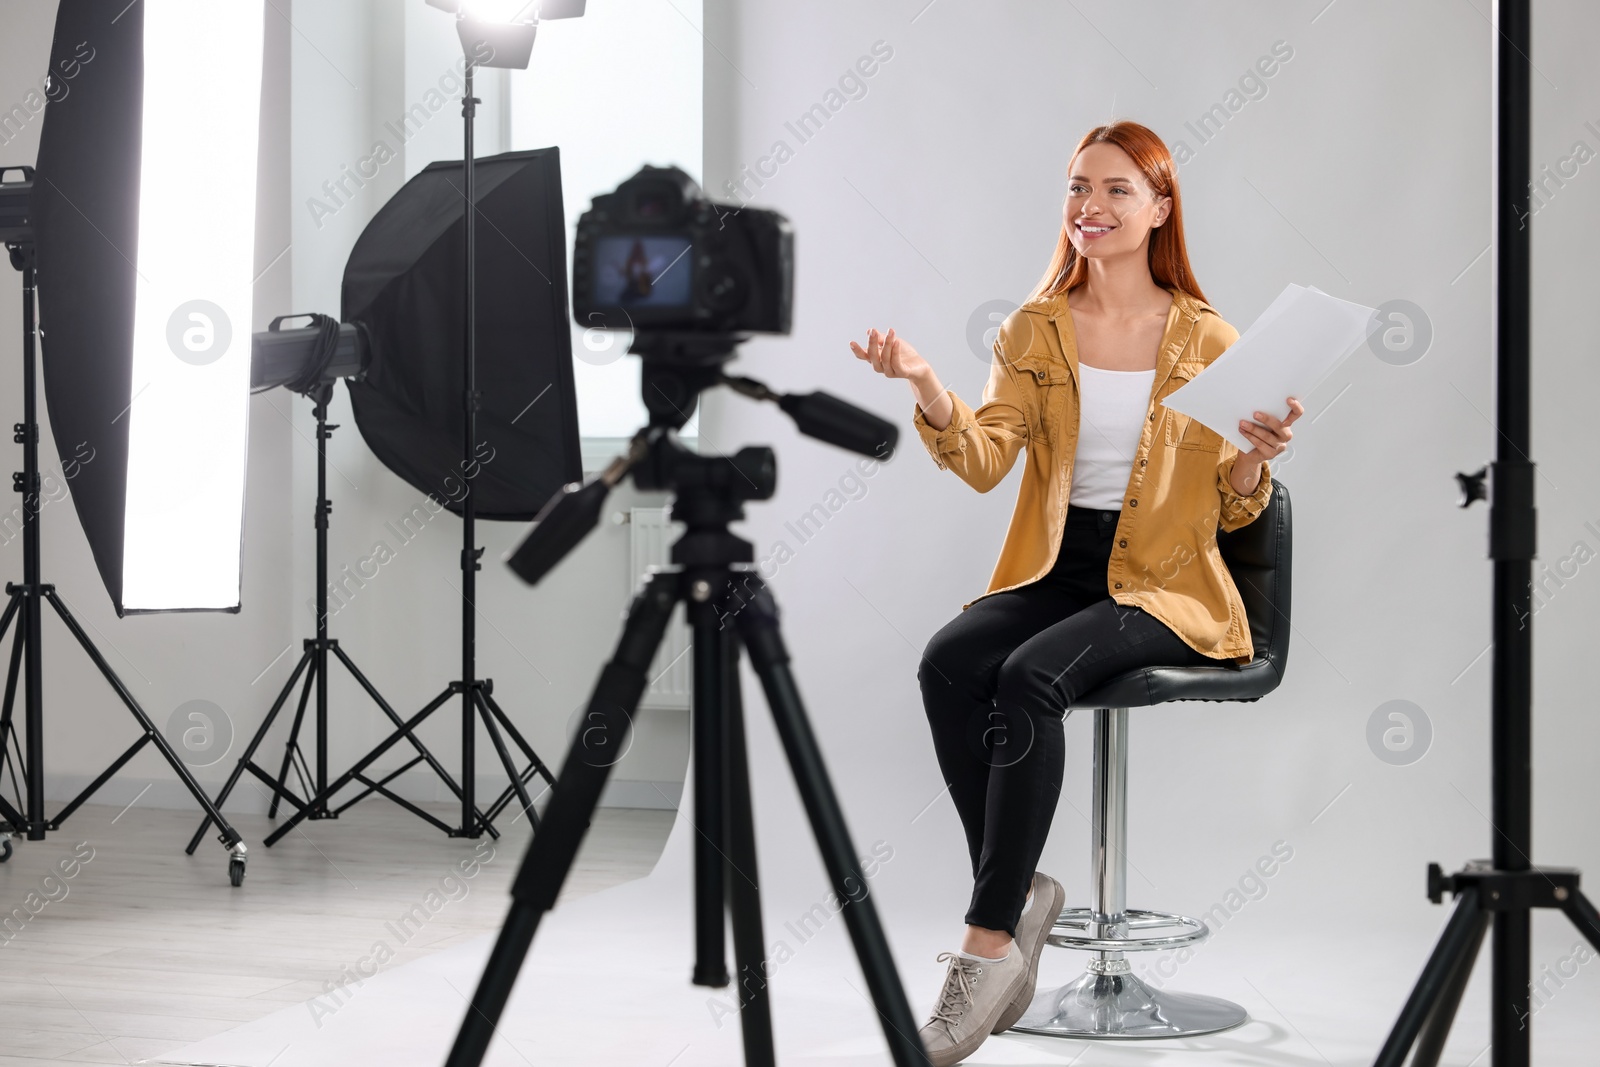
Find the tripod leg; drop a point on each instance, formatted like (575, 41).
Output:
(517, 739)
(394, 717)
(244, 760)
(1583, 915)
(505, 755)
(10, 613)
(16, 662)
(294, 728)
(347, 777)
(1461, 935)
(8, 730)
(744, 889)
(15, 821)
(230, 836)
(572, 803)
(707, 741)
(1430, 1045)
(757, 620)
(13, 818)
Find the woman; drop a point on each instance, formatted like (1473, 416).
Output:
(1110, 563)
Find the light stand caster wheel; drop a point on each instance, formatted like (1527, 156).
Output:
(5, 848)
(236, 862)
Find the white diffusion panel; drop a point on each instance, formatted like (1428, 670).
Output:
(188, 408)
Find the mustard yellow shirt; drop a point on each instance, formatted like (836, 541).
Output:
(1165, 557)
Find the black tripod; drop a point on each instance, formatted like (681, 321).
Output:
(477, 694)
(314, 666)
(26, 607)
(720, 597)
(1500, 893)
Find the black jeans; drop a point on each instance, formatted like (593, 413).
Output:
(996, 682)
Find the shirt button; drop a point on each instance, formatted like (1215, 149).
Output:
(1119, 585)
(1133, 503)
(1123, 543)
(1141, 463)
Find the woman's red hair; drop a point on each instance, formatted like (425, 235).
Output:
(1169, 257)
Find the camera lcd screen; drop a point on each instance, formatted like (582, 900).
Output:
(633, 271)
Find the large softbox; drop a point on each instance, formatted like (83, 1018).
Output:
(404, 285)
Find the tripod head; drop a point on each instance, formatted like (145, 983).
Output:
(708, 491)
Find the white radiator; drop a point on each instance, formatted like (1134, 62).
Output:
(650, 535)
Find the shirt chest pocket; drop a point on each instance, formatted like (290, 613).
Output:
(1181, 430)
(1048, 380)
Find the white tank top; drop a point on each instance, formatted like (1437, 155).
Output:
(1114, 406)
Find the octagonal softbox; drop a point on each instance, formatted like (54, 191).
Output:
(404, 285)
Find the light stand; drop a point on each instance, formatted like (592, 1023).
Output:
(314, 660)
(477, 694)
(1499, 894)
(26, 607)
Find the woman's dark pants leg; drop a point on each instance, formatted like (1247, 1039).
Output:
(996, 681)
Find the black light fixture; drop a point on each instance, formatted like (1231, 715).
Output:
(140, 280)
(399, 351)
(413, 401)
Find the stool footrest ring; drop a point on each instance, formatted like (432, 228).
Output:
(1135, 931)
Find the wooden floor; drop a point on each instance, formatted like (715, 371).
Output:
(143, 949)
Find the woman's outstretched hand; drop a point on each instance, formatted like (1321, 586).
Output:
(893, 357)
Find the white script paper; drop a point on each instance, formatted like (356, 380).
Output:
(1296, 342)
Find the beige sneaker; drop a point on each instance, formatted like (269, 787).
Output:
(974, 995)
(1032, 929)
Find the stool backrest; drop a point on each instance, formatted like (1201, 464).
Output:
(1259, 558)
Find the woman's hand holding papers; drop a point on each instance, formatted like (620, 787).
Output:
(1270, 436)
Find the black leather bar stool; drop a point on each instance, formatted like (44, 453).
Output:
(1108, 1001)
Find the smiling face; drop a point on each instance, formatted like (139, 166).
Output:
(1110, 208)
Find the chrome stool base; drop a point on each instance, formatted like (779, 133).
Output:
(1121, 1006)
(1108, 1001)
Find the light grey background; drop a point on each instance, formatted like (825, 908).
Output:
(1364, 168)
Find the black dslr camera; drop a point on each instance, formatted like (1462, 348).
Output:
(657, 256)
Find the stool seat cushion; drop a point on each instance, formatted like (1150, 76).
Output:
(1259, 559)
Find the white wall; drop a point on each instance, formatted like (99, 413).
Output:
(616, 89)
(333, 82)
(1363, 169)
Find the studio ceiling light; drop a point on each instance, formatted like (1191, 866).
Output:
(145, 210)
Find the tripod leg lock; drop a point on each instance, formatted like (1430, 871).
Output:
(1537, 887)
